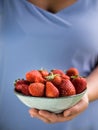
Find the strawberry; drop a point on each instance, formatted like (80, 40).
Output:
(80, 84)
(20, 83)
(54, 78)
(44, 72)
(57, 80)
(60, 72)
(66, 88)
(37, 89)
(34, 76)
(72, 72)
(51, 90)
(25, 89)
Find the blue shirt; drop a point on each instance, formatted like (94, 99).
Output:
(32, 38)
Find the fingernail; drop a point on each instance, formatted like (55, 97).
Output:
(40, 112)
(67, 114)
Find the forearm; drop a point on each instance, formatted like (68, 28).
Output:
(92, 81)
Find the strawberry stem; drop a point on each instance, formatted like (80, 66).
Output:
(75, 76)
(51, 76)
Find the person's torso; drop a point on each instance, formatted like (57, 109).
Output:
(33, 38)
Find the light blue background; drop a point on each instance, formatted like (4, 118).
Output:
(32, 38)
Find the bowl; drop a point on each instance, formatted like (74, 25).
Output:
(56, 105)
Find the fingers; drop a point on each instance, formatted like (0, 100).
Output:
(53, 118)
(77, 109)
(36, 113)
(46, 116)
(67, 115)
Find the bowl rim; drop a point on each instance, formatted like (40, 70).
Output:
(45, 98)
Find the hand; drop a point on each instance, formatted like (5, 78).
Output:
(67, 115)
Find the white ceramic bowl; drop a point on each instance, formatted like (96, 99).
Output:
(56, 105)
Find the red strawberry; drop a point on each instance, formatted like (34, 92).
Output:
(25, 89)
(20, 83)
(60, 72)
(51, 90)
(66, 88)
(34, 76)
(72, 72)
(54, 78)
(36, 89)
(57, 80)
(44, 72)
(80, 84)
